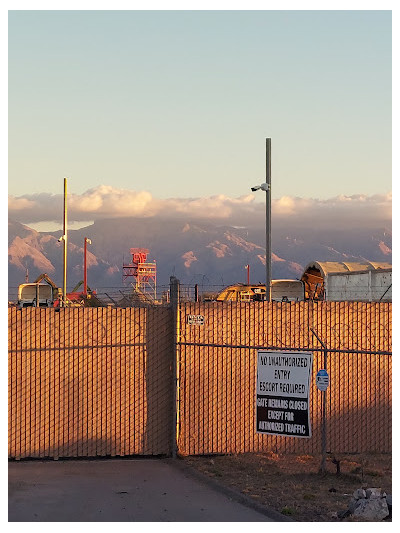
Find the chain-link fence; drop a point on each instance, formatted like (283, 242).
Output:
(89, 382)
(181, 377)
(127, 295)
(217, 353)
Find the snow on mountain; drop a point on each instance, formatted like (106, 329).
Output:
(220, 250)
(188, 258)
(384, 248)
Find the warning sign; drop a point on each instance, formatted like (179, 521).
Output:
(322, 379)
(282, 394)
(195, 320)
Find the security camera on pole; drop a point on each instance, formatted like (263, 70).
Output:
(267, 188)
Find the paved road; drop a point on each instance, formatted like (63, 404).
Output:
(117, 490)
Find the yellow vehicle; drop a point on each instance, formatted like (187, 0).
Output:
(242, 293)
(286, 290)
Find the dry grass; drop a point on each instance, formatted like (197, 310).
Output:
(292, 484)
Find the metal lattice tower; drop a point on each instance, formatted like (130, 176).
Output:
(144, 274)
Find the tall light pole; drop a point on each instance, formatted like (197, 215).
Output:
(87, 241)
(267, 188)
(64, 238)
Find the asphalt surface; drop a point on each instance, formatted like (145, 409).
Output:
(119, 490)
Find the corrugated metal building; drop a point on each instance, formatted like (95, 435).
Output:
(316, 274)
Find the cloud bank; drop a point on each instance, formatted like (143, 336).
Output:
(106, 201)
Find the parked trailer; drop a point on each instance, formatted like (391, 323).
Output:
(35, 295)
(365, 286)
(287, 290)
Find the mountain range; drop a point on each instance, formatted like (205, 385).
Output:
(201, 251)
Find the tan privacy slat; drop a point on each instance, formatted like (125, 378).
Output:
(217, 414)
(98, 382)
(81, 383)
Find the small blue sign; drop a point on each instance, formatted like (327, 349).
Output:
(322, 379)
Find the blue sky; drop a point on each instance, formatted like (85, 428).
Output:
(178, 104)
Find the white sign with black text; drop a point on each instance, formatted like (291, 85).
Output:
(283, 393)
(195, 320)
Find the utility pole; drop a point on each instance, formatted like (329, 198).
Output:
(87, 241)
(266, 187)
(268, 220)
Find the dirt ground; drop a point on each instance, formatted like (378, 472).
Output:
(292, 484)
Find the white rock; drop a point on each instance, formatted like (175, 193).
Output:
(374, 509)
(359, 493)
(374, 493)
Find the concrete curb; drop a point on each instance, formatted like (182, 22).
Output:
(231, 493)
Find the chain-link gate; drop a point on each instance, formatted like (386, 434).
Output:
(86, 382)
(90, 382)
(217, 354)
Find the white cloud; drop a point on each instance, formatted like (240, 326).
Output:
(287, 205)
(106, 201)
(19, 204)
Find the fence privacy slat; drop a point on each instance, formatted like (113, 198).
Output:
(82, 382)
(87, 382)
(358, 398)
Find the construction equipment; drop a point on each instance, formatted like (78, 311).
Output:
(82, 298)
(287, 290)
(241, 293)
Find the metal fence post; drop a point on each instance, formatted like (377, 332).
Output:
(174, 299)
(323, 436)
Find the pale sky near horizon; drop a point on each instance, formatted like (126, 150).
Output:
(179, 103)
